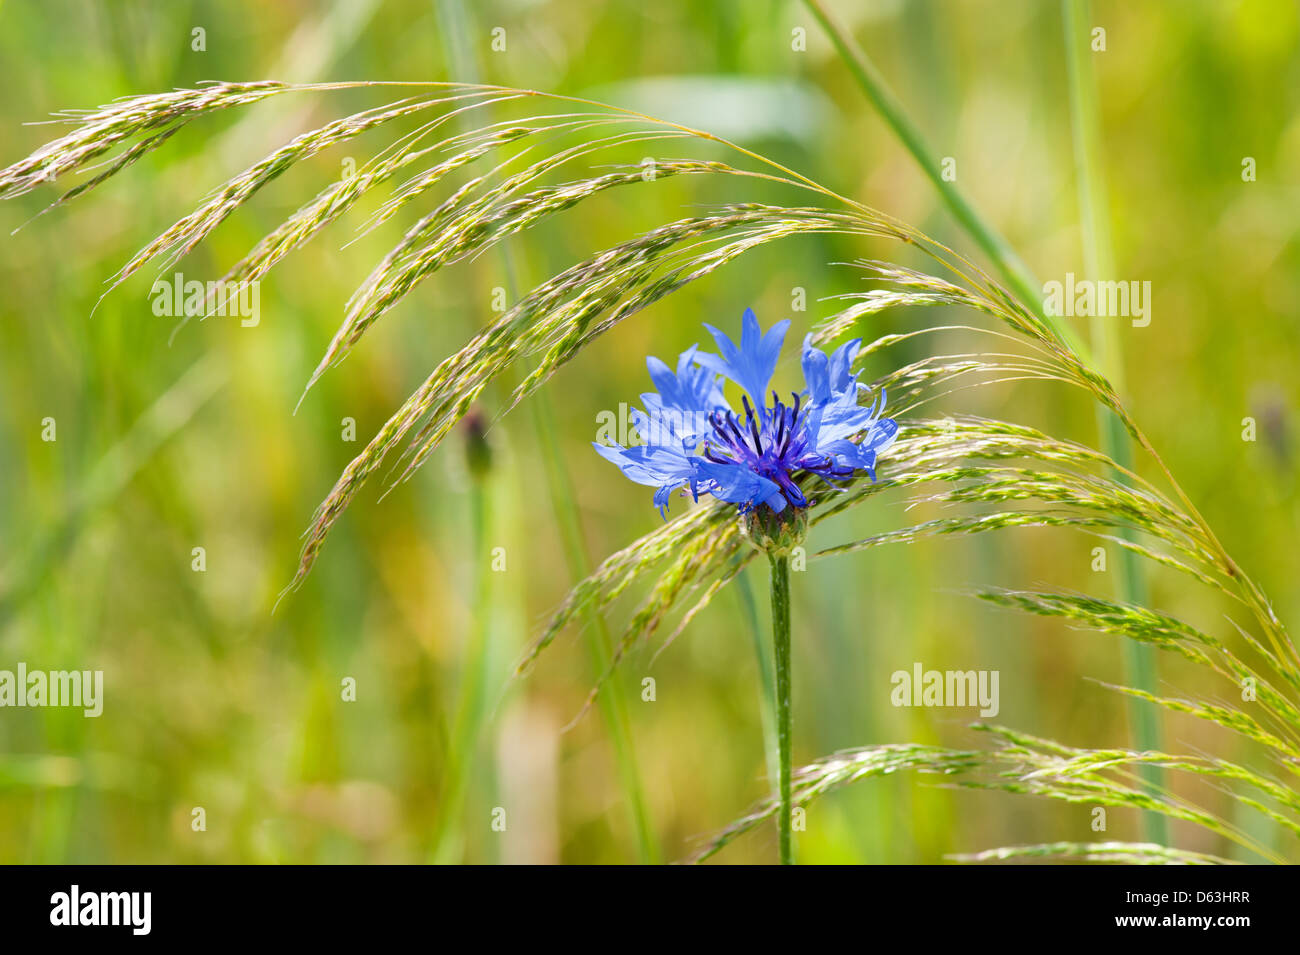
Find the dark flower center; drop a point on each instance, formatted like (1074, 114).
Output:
(773, 443)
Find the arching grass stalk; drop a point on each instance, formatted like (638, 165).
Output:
(784, 720)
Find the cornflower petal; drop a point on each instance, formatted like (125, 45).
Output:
(752, 364)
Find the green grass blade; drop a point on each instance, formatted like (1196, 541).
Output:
(613, 696)
(1013, 269)
(472, 711)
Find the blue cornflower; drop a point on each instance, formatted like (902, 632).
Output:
(693, 439)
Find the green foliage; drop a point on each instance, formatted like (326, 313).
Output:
(991, 474)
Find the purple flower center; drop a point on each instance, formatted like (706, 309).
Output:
(773, 444)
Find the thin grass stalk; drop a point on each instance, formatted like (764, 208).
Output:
(784, 722)
(613, 702)
(1012, 267)
(613, 695)
(1099, 264)
(471, 711)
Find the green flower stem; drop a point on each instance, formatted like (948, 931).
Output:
(766, 682)
(784, 723)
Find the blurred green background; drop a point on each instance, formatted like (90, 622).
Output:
(214, 701)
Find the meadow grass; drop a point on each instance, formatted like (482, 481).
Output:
(996, 475)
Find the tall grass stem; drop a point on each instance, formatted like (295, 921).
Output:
(471, 711)
(613, 696)
(1013, 269)
(1099, 264)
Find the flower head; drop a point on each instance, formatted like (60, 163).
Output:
(764, 453)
